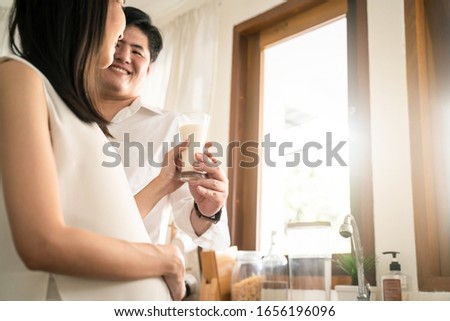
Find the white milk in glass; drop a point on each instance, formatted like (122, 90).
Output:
(193, 127)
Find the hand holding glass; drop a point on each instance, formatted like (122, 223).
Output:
(193, 127)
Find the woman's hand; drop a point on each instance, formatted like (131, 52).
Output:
(165, 183)
(169, 175)
(175, 276)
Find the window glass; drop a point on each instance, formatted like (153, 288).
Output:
(305, 164)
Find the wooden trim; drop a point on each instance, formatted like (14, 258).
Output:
(313, 18)
(418, 99)
(421, 83)
(245, 93)
(361, 193)
(236, 117)
(278, 14)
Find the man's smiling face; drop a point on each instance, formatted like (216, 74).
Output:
(131, 65)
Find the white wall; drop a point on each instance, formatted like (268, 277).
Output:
(6, 3)
(393, 212)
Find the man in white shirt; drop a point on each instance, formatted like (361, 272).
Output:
(143, 134)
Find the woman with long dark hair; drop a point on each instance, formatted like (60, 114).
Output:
(69, 227)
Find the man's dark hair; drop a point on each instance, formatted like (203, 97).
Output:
(141, 20)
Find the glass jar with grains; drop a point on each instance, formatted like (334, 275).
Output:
(246, 277)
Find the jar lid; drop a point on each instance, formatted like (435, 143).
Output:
(249, 255)
(317, 224)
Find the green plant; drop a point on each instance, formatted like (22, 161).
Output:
(347, 263)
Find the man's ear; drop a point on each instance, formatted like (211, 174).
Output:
(148, 68)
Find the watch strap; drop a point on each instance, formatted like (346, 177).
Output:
(213, 219)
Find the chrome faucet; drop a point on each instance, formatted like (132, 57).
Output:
(350, 229)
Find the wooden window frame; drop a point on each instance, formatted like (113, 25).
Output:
(245, 116)
(432, 241)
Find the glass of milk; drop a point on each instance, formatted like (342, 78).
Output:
(193, 127)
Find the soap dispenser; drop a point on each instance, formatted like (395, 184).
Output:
(394, 286)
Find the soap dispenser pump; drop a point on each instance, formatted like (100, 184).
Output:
(395, 284)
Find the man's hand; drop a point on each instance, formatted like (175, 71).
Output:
(211, 193)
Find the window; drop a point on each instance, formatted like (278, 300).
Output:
(255, 44)
(305, 118)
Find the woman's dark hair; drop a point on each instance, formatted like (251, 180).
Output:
(63, 40)
(141, 20)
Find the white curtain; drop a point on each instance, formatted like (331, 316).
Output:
(4, 14)
(182, 78)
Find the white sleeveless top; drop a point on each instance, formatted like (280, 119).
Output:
(93, 197)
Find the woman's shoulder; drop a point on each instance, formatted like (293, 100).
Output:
(21, 85)
(17, 67)
(18, 73)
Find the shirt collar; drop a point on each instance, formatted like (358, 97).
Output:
(132, 109)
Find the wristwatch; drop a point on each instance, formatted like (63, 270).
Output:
(213, 219)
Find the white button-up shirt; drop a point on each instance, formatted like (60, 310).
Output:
(145, 134)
